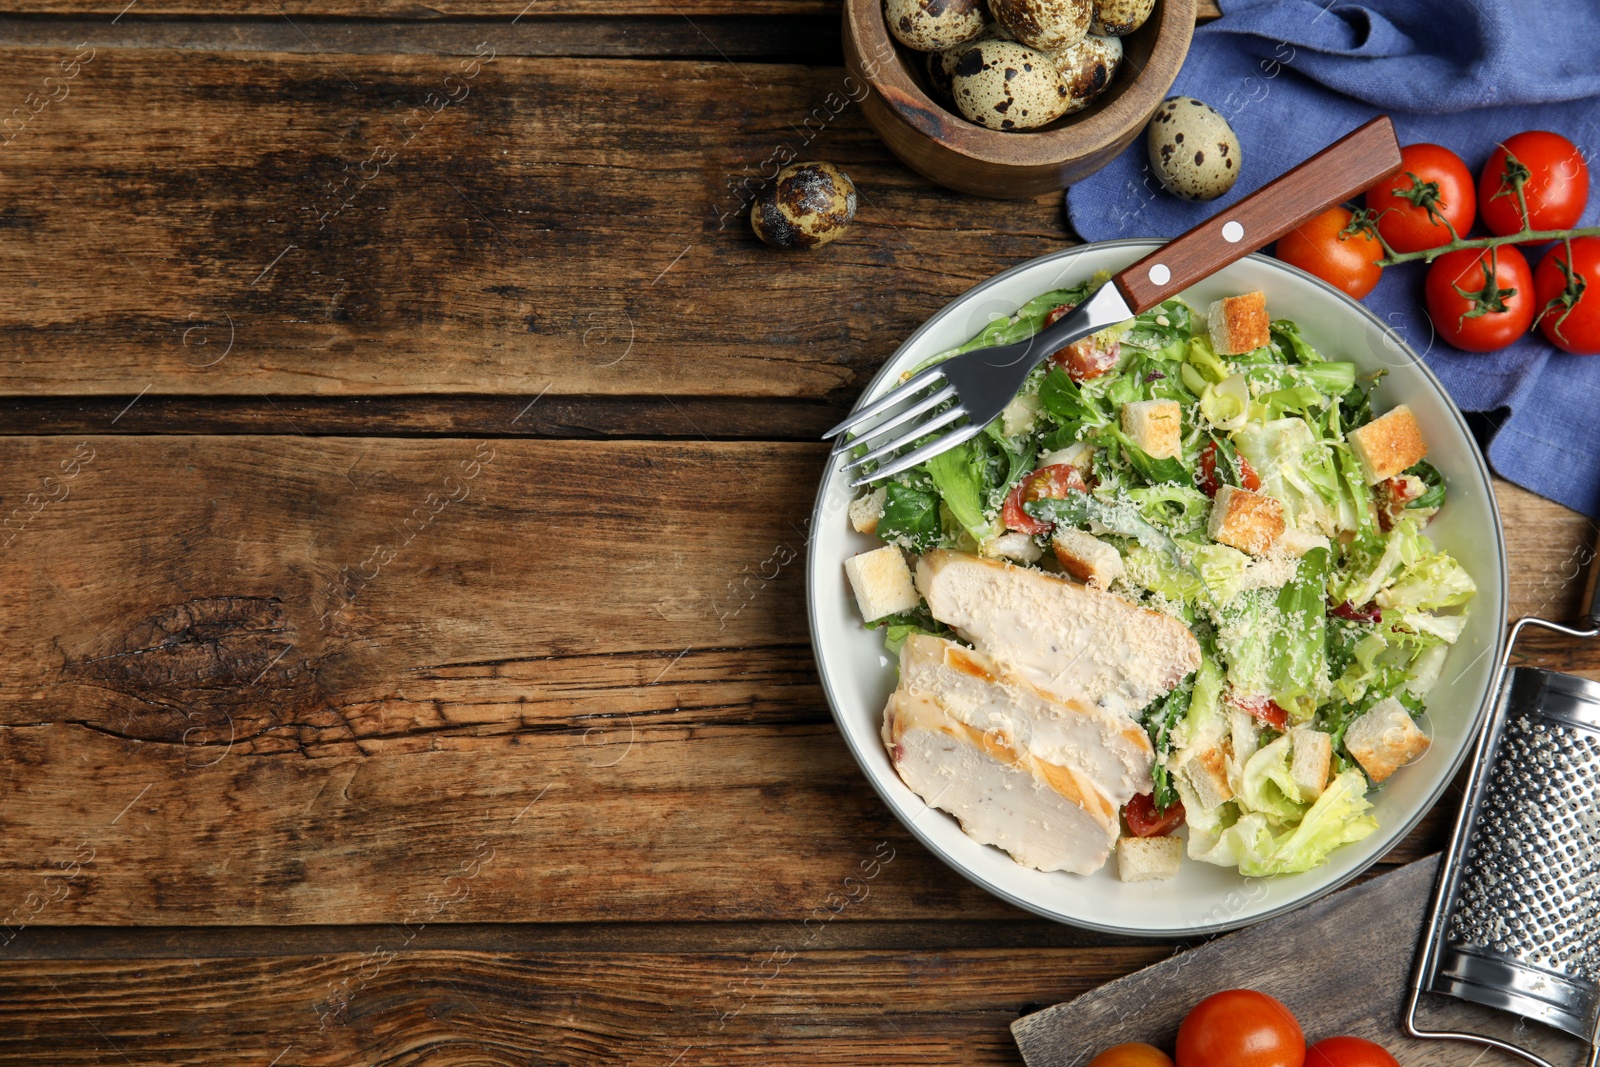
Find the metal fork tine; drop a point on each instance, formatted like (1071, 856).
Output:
(910, 435)
(934, 400)
(888, 400)
(911, 459)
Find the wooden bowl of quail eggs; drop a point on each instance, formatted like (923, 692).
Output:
(1012, 98)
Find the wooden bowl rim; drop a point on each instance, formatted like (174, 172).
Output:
(869, 33)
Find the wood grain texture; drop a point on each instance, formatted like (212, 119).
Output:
(305, 685)
(564, 226)
(387, 1006)
(409, 9)
(1342, 965)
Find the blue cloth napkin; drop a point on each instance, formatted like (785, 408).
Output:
(1291, 76)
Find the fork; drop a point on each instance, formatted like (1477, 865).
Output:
(982, 382)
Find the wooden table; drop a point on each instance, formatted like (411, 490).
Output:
(403, 655)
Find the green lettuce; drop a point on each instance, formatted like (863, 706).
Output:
(1339, 817)
(958, 475)
(1267, 786)
(1434, 581)
(1297, 671)
(1295, 469)
(910, 517)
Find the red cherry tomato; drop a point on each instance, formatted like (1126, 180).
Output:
(1347, 261)
(1431, 187)
(1555, 183)
(1210, 483)
(1240, 1028)
(1087, 357)
(1132, 1055)
(1265, 710)
(1056, 480)
(1145, 821)
(1481, 299)
(1056, 313)
(1348, 1052)
(1568, 290)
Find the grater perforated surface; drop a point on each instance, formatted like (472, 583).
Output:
(1530, 878)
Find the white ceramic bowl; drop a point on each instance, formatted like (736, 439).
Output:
(857, 675)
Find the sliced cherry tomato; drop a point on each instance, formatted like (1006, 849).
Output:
(1568, 287)
(1369, 613)
(1555, 183)
(1087, 358)
(1347, 261)
(1265, 710)
(1431, 188)
(1240, 1028)
(1481, 299)
(1145, 821)
(1135, 1054)
(1057, 312)
(1210, 483)
(1056, 481)
(1348, 1052)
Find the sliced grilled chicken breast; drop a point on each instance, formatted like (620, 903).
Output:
(1072, 641)
(1048, 817)
(1111, 749)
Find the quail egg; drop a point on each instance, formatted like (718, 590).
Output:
(942, 65)
(932, 25)
(1193, 150)
(1118, 18)
(807, 206)
(1087, 68)
(1005, 85)
(1047, 25)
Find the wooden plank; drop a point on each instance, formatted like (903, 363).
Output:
(387, 1005)
(795, 38)
(517, 9)
(256, 648)
(1342, 965)
(567, 226)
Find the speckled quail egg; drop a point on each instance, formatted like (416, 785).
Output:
(1118, 18)
(1087, 68)
(807, 206)
(1005, 85)
(1047, 25)
(1193, 150)
(931, 25)
(942, 65)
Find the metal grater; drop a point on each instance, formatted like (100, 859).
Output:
(1515, 922)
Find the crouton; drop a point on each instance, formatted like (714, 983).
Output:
(1155, 426)
(867, 509)
(1239, 324)
(1295, 542)
(1385, 739)
(1388, 444)
(1011, 545)
(1149, 859)
(882, 582)
(1311, 760)
(1086, 557)
(1250, 522)
(1207, 775)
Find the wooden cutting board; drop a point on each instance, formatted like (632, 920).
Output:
(1343, 965)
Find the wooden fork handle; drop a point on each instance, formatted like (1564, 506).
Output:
(1346, 167)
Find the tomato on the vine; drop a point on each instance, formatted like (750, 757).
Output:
(1481, 299)
(1554, 178)
(1134, 1054)
(1348, 1052)
(1145, 821)
(1240, 1028)
(1431, 188)
(1327, 247)
(1056, 480)
(1569, 310)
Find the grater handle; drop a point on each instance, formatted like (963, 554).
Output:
(1591, 610)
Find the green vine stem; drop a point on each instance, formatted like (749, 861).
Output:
(1428, 255)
